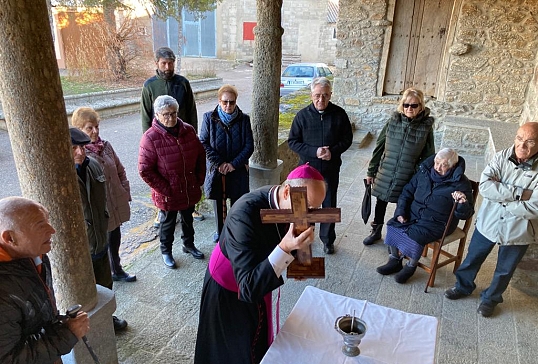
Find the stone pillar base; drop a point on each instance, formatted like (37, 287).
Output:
(260, 176)
(101, 336)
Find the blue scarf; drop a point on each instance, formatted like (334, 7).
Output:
(226, 118)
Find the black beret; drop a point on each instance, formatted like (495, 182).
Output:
(78, 137)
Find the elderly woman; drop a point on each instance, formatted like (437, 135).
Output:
(118, 189)
(405, 141)
(227, 138)
(171, 161)
(423, 210)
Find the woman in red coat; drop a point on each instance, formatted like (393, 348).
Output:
(171, 161)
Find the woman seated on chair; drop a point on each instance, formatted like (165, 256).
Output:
(423, 210)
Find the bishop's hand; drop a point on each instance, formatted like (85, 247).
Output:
(291, 242)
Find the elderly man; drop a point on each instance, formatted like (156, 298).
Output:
(29, 329)
(319, 134)
(508, 217)
(91, 181)
(166, 82)
(235, 323)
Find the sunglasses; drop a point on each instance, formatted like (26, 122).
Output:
(412, 106)
(229, 102)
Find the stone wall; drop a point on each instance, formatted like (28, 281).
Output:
(487, 72)
(306, 30)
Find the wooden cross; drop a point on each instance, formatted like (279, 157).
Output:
(305, 266)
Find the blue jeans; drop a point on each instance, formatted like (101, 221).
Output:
(507, 260)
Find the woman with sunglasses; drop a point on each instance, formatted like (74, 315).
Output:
(226, 135)
(405, 141)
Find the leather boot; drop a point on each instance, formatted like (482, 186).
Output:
(375, 234)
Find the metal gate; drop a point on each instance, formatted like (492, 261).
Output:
(199, 35)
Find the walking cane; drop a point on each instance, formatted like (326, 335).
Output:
(72, 313)
(435, 257)
(224, 206)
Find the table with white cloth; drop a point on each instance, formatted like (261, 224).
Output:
(392, 336)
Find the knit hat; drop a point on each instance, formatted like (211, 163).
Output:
(305, 171)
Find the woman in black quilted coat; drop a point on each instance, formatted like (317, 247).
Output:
(226, 135)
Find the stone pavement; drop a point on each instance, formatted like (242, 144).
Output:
(162, 306)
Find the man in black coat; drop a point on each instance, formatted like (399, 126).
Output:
(235, 323)
(319, 134)
(29, 329)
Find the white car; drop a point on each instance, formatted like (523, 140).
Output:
(300, 75)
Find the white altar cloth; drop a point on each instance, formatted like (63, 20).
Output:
(308, 335)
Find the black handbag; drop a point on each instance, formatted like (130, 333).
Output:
(366, 208)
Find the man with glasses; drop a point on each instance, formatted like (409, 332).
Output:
(319, 134)
(508, 217)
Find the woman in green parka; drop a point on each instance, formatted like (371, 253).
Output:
(405, 141)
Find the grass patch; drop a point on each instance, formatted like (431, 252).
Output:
(71, 86)
(293, 104)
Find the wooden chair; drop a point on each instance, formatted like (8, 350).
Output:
(437, 246)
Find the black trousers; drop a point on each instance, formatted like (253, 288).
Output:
(380, 211)
(168, 228)
(326, 230)
(114, 241)
(219, 210)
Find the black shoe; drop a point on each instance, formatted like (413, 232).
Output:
(119, 324)
(486, 309)
(375, 234)
(454, 294)
(328, 249)
(406, 273)
(193, 251)
(394, 265)
(169, 261)
(124, 276)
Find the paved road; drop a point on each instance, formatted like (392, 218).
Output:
(124, 134)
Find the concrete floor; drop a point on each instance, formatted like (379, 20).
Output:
(162, 306)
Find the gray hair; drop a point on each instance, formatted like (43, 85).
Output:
(164, 52)
(322, 81)
(163, 102)
(449, 154)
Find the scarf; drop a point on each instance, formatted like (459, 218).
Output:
(437, 178)
(226, 118)
(96, 147)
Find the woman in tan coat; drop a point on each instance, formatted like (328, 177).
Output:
(118, 190)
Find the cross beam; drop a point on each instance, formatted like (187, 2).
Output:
(302, 217)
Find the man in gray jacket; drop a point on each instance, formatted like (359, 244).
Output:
(508, 217)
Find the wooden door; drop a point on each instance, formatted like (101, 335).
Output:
(418, 41)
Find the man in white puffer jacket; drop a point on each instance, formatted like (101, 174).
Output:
(508, 217)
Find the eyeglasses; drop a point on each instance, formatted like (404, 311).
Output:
(228, 102)
(412, 106)
(169, 115)
(530, 143)
(319, 96)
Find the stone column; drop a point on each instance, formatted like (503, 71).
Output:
(264, 164)
(36, 120)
